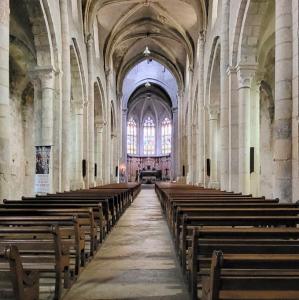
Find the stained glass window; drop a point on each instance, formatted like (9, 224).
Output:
(132, 137)
(149, 136)
(166, 136)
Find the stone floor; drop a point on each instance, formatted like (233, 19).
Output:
(137, 261)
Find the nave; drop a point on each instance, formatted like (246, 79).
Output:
(123, 241)
(137, 261)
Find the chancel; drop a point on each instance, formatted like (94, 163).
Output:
(149, 149)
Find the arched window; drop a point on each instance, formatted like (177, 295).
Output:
(132, 137)
(166, 136)
(149, 136)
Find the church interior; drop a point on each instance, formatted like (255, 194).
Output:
(149, 149)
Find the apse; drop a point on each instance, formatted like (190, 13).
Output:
(149, 121)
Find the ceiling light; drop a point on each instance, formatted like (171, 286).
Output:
(146, 52)
(147, 84)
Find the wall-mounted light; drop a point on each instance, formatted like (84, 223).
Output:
(147, 84)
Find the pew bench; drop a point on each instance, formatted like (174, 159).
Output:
(42, 249)
(235, 241)
(16, 283)
(252, 276)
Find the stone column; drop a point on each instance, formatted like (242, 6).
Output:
(200, 100)
(224, 104)
(44, 84)
(295, 130)
(99, 156)
(174, 144)
(213, 125)
(66, 96)
(112, 156)
(79, 143)
(86, 141)
(194, 149)
(233, 130)
(47, 121)
(283, 101)
(124, 137)
(180, 156)
(5, 154)
(245, 76)
(91, 146)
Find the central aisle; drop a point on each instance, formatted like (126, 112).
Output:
(137, 261)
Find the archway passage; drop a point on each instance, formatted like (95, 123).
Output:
(150, 133)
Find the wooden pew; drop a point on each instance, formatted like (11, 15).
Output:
(81, 238)
(41, 249)
(16, 283)
(108, 206)
(183, 207)
(189, 223)
(252, 276)
(99, 217)
(235, 241)
(227, 212)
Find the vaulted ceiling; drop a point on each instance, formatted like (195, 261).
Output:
(168, 27)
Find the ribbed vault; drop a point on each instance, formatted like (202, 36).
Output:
(126, 27)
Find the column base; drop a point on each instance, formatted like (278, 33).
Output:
(214, 185)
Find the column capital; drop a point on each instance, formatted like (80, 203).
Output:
(78, 106)
(119, 95)
(89, 40)
(44, 74)
(245, 75)
(214, 111)
(107, 72)
(100, 126)
(85, 102)
(40, 72)
(231, 70)
(202, 36)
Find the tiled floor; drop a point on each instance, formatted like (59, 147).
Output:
(137, 261)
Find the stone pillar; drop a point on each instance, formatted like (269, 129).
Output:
(174, 144)
(47, 121)
(5, 154)
(91, 146)
(224, 95)
(112, 156)
(245, 76)
(233, 130)
(124, 132)
(180, 156)
(86, 141)
(283, 101)
(124, 138)
(295, 130)
(44, 84)
(79, 143)
(66, 96)
(213, 125)
(99, 156)
(200, 100)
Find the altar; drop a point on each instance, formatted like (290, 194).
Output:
(148, 169)
(150, 176)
